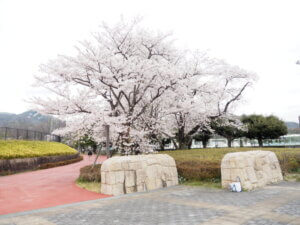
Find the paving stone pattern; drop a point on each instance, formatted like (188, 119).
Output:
(230, 198)
(261, 221)
(139, 211)
(275, 204)
(292, 208)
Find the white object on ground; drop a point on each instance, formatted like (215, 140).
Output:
(235, 187)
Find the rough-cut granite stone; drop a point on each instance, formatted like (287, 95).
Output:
(254, 168)
(127, 174)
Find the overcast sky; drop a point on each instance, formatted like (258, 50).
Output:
(261, 36)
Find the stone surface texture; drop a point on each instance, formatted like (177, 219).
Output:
(128, 174)
(254, 168)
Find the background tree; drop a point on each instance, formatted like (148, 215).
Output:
(230, 129)
(86, 141)
(203, 135)
(263, 127)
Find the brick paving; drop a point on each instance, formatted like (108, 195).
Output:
(274, 205)
(292, 208)
(44, 188)
(261, 221)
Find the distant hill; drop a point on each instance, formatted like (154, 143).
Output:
(30, 120)
(292, 125)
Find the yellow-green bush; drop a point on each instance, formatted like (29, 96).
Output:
(26, 149)
(203, 164)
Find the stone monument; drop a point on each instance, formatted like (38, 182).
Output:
(127, 174)
(253, 169)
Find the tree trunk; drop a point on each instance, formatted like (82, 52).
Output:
(161, 146)
(190, 143)
(241, 143)
(229, 141)
(260, 142)
(204, 143)
(182, 143)
(175, 144)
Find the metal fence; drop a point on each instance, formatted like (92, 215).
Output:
(7, 133)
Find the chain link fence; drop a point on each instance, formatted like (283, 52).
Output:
(7, 133)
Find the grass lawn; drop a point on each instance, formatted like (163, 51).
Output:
(216, 154)
(90, 186)
(26, 149)
(292, 177)
(202, 166)
(207, 184)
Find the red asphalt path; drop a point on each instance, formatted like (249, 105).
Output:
(44, 188)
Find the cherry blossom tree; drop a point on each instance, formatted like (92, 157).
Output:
(208, 90)
(112, 80)
(138, 83)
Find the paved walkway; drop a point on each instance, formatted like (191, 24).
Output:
(273, 205)
(44, 188)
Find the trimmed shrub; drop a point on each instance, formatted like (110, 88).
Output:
(90, 174)
(204, 164)
(12, 149)
(289, 163)
(197, 170)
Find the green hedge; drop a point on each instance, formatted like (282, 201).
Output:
(193, 170)
(204, 164)
(11, 149)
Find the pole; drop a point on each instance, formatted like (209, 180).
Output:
(98, 153)
(107, 140)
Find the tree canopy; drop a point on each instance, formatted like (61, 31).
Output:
(229, 128)
(141, 85)
(263, 127)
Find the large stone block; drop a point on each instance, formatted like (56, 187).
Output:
(253, 168)
(127, 174)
